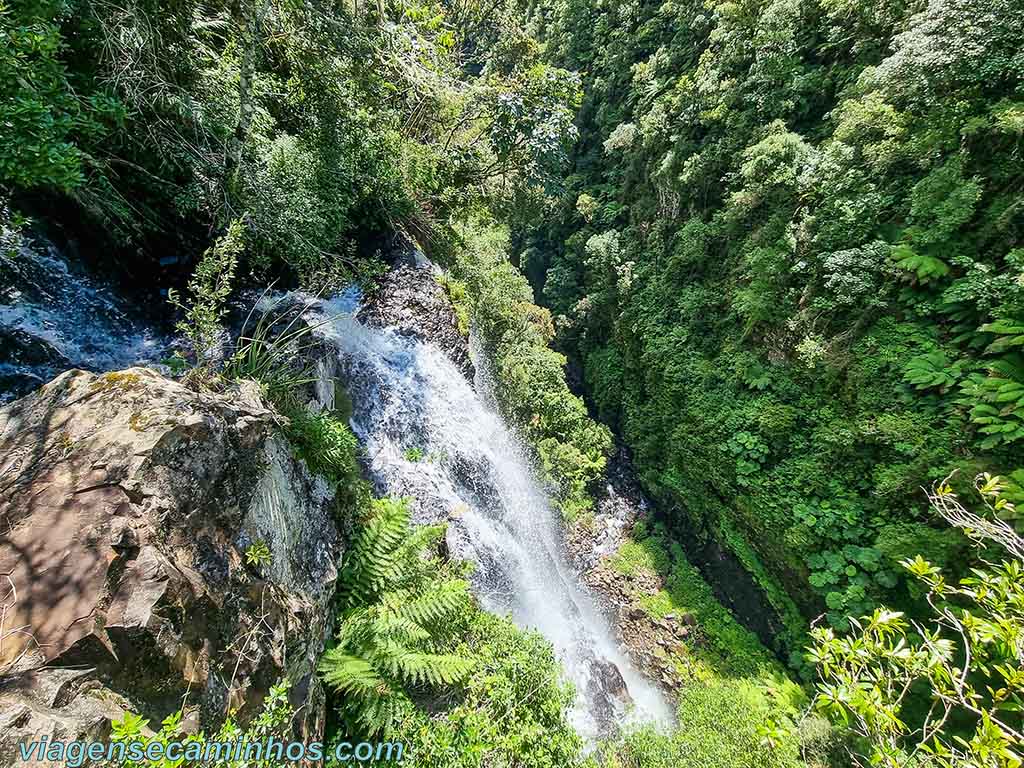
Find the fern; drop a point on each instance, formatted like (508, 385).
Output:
(1014, 493)
(398, 611)
(351, 674)
(923, 267)
(932, 371)
(996, 401)
(1010, 332)
(372, 559)
(964, 325)
(432, 607)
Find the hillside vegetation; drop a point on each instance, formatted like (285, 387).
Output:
(790, 261)
(779, 247)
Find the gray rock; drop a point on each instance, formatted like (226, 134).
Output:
(410, 299)
(126, 504)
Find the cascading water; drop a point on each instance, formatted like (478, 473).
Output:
(429, 434)
(54, 316)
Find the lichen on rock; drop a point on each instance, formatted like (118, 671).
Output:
(128, 502)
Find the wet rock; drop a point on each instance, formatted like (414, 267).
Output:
(127, 502)
(19, 347)
(17, 383)
(607, 692)
(652, 643)
(410, 299)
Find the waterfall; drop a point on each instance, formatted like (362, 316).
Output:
(55, 316)
(430, 434)
(427, 431)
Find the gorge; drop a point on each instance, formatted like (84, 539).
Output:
(534, 382)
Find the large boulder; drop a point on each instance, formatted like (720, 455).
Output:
(410, 299)
(127, 504)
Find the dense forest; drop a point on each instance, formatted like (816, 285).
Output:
(789, 263)
(775, 250)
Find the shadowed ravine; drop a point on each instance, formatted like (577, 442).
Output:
(428, 433)
(55, 316)
(409, 399)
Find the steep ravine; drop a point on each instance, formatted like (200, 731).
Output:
(143, 615)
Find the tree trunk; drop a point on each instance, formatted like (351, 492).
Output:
(249, 30)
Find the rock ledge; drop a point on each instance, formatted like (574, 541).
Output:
(127, 502)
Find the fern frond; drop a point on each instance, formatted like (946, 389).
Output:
(351, 674)
(408, 561)
(923, 267)
(439, 603)
(430, 668)
(370, 559)
(397, 607)
(393, 625)
(1010, 332)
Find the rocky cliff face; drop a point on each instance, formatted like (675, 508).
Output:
(127, 503)
(409, 299)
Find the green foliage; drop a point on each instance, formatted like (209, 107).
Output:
(723, 724)
(46, 118)
(750, 454)
(964, 659)
(417, 660)
(921, 266)
(1010, 333)
(529, 377)
(329, 448)
(635, 557)
(258, 554)
(996, 401)
(736, 707)
(726, 648)
(274, 719)
(397, 609)
(932, 371)
(456, 290)
(317, 123)
(271, 353)
(209, 288)
(513, 711)
(787, 263)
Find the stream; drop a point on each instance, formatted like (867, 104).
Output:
(54, 315)
(428, 432)
(432, 435)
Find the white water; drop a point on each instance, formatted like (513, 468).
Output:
(68, 318)
(408, 395)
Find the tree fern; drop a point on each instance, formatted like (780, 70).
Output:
(964, 330)
(932, 371)
(996, 401)
(1010, 335)
(398, 610)
(923, 267)
(371, 557)
(351, 674)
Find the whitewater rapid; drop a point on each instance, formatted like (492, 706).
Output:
(54, 316)
(431, 434)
